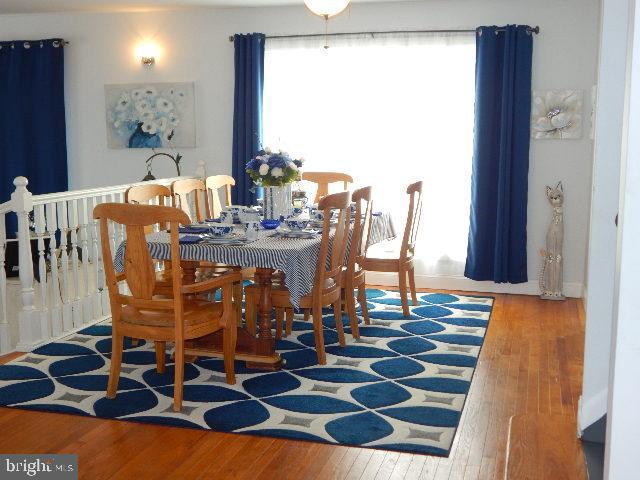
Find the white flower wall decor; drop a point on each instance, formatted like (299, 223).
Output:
(150, 115)
(556, 114)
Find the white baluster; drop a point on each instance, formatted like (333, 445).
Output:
(76, 306)
(42, 270)
(56, 311)
(30, 333)
(84, 242)
(63, 224)
(97, 263)
(5, 339)
(106, 307)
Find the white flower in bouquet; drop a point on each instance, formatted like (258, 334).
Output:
(264, 169)
(137, 94)
(123, 102)
(173, 119)
(150, 127)
(143, 105)
(147, 116)
(150, 92)
(276, 172)
(292, 166)
(162, 123)
(164, 105)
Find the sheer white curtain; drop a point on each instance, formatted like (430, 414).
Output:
(389, 110)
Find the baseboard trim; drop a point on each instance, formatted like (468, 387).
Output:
(591, 409)
(445, 282)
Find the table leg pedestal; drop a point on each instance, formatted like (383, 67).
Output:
(258, 351)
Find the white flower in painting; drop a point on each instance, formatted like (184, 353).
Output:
(557, 114)
(150, 127)
(162, 123)
(164, 105)
(264, 169)
(147, 116)
(150, 92)
(173, 119)
(137, 94)
(143, 106)
(276, 172)
(123, 102)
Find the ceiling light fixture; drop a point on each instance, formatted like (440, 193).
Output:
(326, 9)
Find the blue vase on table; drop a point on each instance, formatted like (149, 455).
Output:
(140, 139)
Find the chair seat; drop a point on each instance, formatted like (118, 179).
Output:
(388, 250)
(196, 312)
(385, 257)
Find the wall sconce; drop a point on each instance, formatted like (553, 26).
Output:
(147, 53)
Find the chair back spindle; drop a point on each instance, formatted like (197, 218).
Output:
(361, 228)
(332, 253)
(413, 220)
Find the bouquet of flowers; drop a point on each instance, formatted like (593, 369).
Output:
(146, 116)
(274, 169)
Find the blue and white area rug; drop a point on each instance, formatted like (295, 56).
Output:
(401, 387)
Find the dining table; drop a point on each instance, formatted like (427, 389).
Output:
(296, 258)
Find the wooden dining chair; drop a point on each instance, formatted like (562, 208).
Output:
(323, 179)
(150, 193)
(163, 316)
(213, 184)
(353, 275)
(326, 289)
(399, 258)
(181, 190)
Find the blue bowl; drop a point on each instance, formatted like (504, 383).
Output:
(221, 230)
(270, 224)
(296, 224)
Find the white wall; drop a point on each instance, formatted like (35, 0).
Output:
(196, 48)
(623, 419)
(604, 207)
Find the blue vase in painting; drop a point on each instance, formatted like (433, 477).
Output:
(140, 139)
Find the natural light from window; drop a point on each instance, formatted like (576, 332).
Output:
(389, 111)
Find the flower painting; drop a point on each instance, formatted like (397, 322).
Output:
(556, 114)
(150, 115)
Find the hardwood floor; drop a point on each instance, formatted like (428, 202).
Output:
(530, 366)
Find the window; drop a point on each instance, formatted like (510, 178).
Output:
(388, 110)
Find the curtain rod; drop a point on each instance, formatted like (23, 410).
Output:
(532, 30)
(27, 43)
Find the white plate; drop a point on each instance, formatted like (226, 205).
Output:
(231, 239)
(288, 233)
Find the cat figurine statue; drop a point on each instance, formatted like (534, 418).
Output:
(550, 279)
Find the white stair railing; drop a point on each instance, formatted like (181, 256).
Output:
(69, 292)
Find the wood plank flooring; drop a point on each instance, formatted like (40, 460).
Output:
(530, 366)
